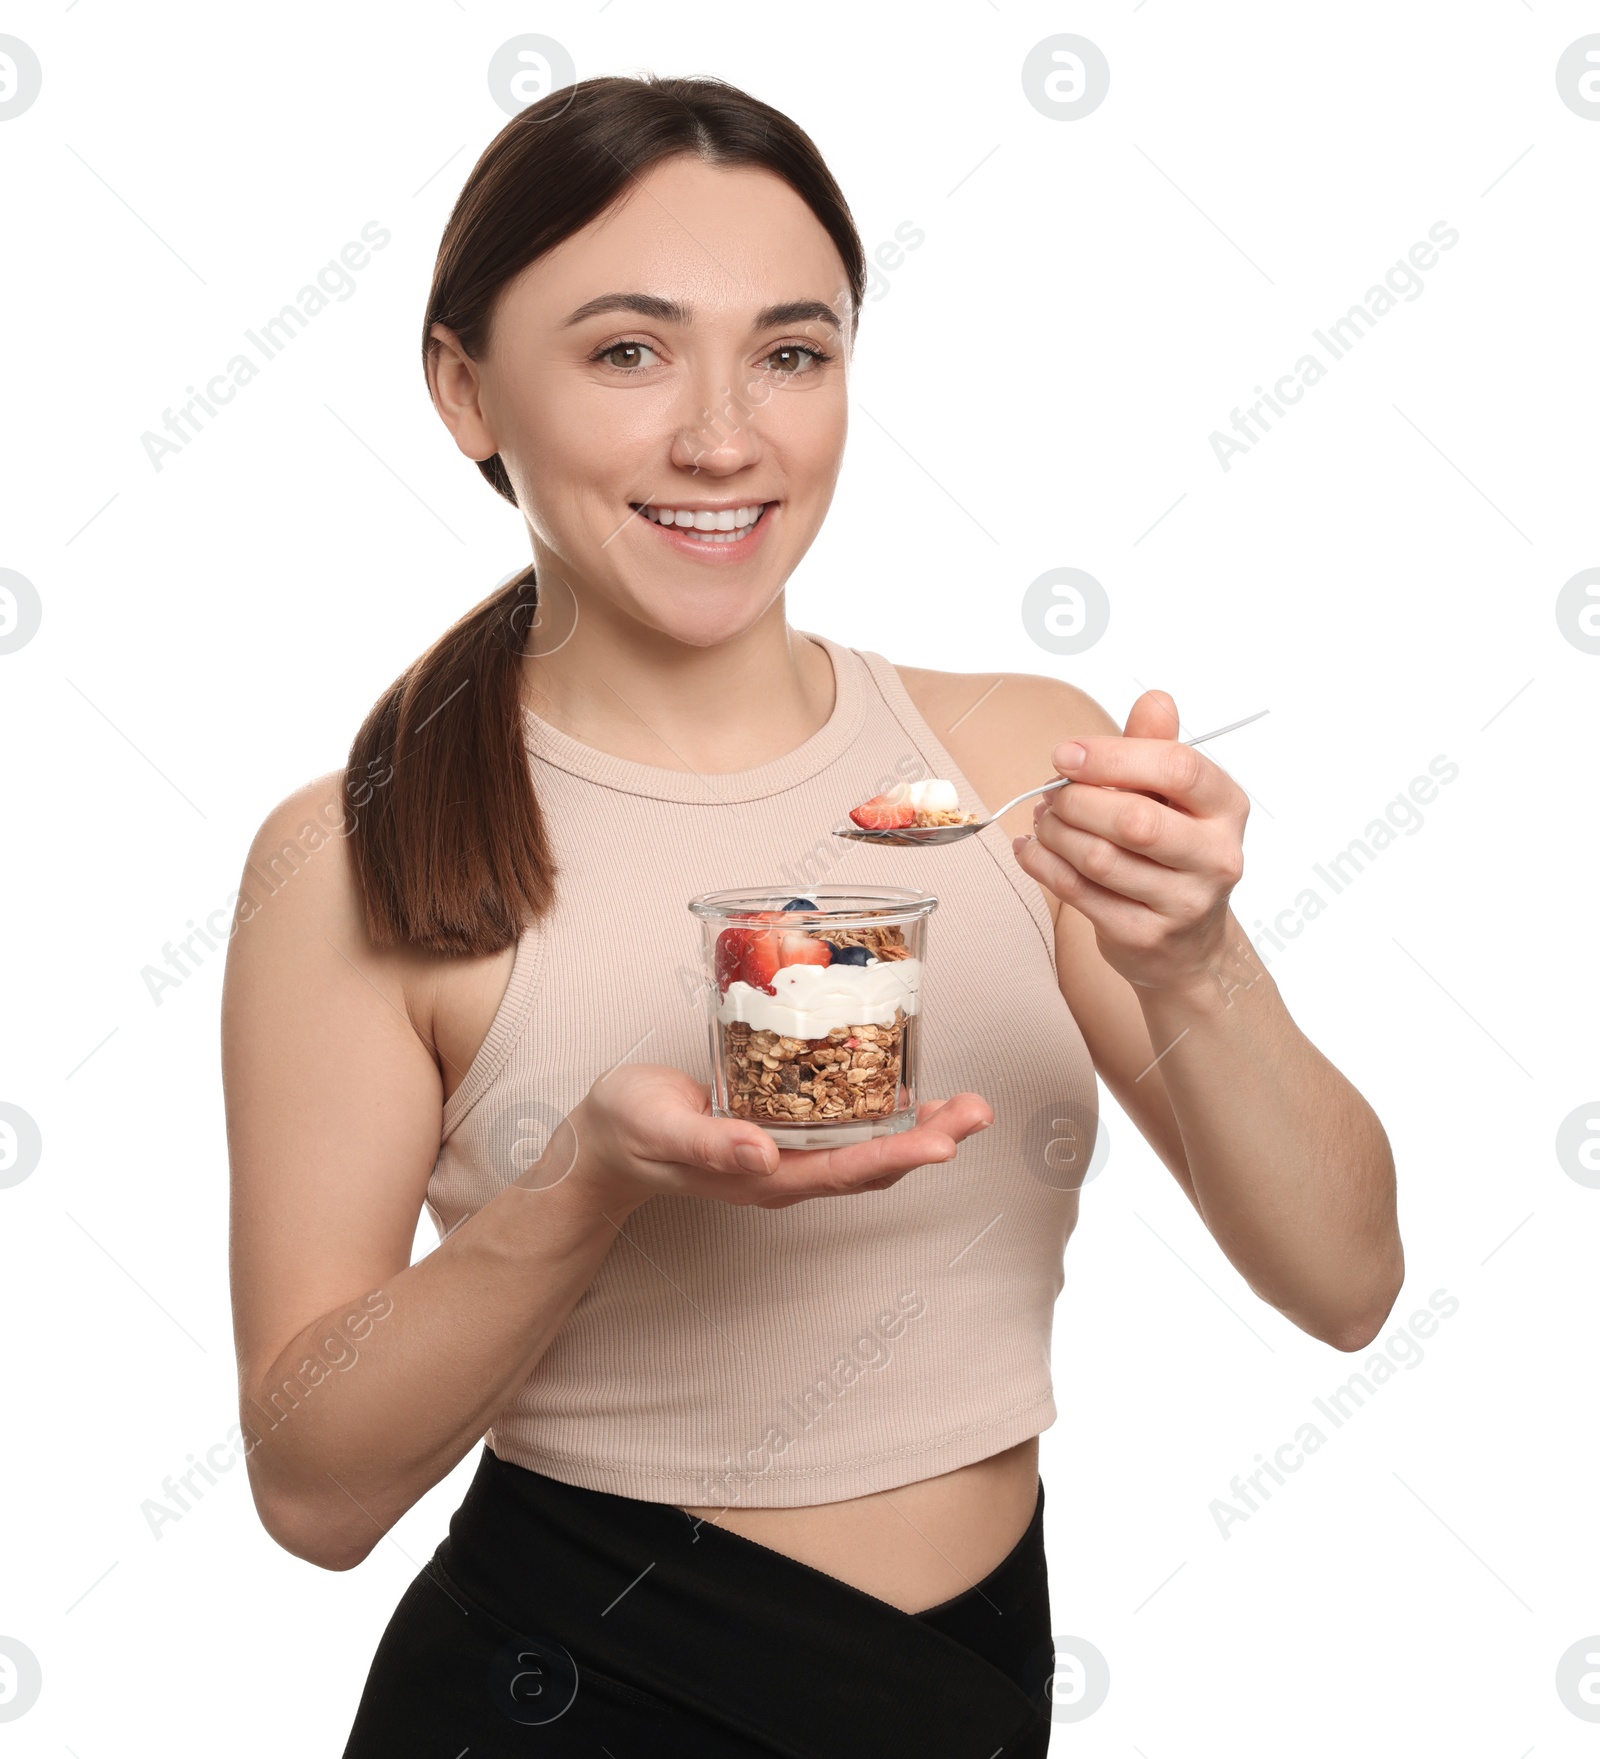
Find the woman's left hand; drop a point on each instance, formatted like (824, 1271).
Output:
(1146, 842)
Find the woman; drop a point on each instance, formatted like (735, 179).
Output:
(762, 1473)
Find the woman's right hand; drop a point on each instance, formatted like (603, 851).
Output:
(646, 1130)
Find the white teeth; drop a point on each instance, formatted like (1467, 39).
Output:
(726, 525)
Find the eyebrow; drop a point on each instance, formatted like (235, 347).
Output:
(669, 311)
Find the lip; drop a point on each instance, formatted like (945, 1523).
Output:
(740, 550)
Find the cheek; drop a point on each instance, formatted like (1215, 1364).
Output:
(573, 451)
(821, 421)
(805, 432)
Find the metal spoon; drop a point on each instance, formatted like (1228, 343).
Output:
(920, 836)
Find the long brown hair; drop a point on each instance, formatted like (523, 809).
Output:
(450, 847)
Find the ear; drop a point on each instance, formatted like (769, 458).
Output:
(455, 385)
(1153, 716)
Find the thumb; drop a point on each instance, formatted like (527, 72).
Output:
(720, 1145)
(1153, 716)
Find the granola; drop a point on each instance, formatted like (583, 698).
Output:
(853, 1072)
(813, 1020)
(882, 943)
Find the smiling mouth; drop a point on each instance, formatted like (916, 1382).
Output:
(709, 526)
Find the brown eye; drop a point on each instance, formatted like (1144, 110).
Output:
(791, 361)
(626, 356)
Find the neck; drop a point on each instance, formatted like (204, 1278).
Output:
(610, 681)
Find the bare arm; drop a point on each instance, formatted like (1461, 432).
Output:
(1283, 1159)
(364, 1379)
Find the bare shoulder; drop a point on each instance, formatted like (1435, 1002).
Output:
(1001, 727)
(301, 898)
(300, 922)
(299, 876)
(1013, 699)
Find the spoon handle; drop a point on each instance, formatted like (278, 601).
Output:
(1217, 732)
(1062, 781)
(1044, 788)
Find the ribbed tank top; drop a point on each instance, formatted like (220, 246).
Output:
(784, 1357)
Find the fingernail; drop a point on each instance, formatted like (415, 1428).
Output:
(750, 1158)
(1018, 844)
(1071, 756)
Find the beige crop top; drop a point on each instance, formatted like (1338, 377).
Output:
(776, 1358)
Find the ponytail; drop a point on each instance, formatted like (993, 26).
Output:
(448, 840)
(449, 846)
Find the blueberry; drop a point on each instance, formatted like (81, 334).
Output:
(850, 955)
(799, 904)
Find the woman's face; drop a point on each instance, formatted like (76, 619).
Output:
(683, 354)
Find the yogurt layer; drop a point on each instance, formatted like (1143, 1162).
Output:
(812, 1000)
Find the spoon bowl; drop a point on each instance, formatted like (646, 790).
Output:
(925, 836)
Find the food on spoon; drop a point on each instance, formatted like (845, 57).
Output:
(936, 802)
(931, 801)
(933, 794)
(886, 812)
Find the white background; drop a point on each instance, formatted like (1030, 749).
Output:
(1092, 299)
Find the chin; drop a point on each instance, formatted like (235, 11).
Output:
(707, 625)
(697, 611)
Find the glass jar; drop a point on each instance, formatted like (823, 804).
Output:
(815, 1008)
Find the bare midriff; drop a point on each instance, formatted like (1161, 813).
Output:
(916, 1546)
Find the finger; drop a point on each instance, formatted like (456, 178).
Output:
(879, 1162)
(1203, 851)
(824, 1172)
(719, 1145)
(1172, 892)
(960, 1116)
(939, 1122)
(1153, 716)
(1123, 918)
(806, 1196)
(843, 1169)
(1137, 823)
(1154, 766)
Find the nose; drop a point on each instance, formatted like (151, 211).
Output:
(717, 435)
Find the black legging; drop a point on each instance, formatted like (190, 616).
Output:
(561, 1621)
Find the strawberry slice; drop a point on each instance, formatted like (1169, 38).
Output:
(729, 956)
(885, 812)
(763, 954)
(768, 950)
(796, 948)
